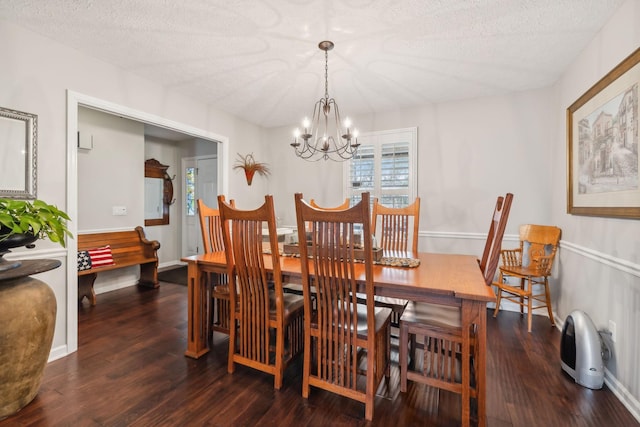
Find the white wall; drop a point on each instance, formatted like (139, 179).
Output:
(599, 265)
(109, 175)
(472, 150)
(169, 235)
(110, 172)
(469, 152)
(35, 75)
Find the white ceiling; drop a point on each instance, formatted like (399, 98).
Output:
(259, 59)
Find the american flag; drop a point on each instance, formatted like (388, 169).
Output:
(101, 257)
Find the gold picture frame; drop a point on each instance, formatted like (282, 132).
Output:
(602, 145)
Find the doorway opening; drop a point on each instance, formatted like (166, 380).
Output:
(74, 101)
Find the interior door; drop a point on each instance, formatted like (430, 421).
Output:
(205, 188)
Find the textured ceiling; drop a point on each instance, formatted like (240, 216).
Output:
(259, 59)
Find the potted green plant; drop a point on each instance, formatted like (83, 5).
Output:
(26, 221)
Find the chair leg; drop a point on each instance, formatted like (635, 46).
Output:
(529, 307)
(306, 368)
(232, 345)
(209, 309)
(403, 356)
(370, 394)
(387, 338)
(499, 296)
(368, 408)
(522, 298)
(497, 309)
(277, 381)
(548, 297)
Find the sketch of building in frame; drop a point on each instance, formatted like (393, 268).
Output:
(608, 146)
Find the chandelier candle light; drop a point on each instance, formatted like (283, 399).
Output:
(317, 145)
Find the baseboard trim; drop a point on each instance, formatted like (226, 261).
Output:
(619, 390)
(58, 353)
(169, 264)
(623, 395)
(115, 286)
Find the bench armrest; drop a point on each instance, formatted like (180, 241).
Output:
(150, 246)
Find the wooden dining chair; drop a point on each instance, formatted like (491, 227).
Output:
(343, 206)
(397, 232)
(338, 330)
(396, 229)
(440, 326)
(265, 323)
(296, 288)
(218, 284)
(531, 265)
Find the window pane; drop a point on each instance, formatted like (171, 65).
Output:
(384, 166)
(363, 169)
(395, 201)
(190, 202)
(395, 165)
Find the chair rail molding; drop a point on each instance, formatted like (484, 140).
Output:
(606, 259)
(464, 235)
(611, 261)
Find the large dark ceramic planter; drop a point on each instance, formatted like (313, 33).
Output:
(27, 323)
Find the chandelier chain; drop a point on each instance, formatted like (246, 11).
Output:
(326, 74)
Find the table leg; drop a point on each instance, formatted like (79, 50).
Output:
(197, 342)
(481, 366)
(467, 321)
(474, 313)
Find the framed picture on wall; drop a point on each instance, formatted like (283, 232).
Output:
(602, 145)
(18, 159)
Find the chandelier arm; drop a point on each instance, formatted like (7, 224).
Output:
(317, 112)
(315, 117)
(338, 120)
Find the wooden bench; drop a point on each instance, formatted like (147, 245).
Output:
(128, 248)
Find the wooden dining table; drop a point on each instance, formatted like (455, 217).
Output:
(446, 278)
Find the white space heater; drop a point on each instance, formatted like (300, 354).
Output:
(583, 351)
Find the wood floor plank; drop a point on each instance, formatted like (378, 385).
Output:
(130, 370)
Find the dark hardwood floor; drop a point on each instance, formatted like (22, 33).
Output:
(130, 371)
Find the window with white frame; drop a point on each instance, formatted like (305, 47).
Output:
(385, 166)
(190, 193)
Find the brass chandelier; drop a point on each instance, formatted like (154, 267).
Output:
(318, 141)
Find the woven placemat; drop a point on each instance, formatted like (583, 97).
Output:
(399, 262)
(386, 261)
